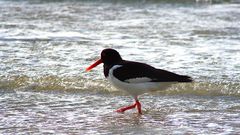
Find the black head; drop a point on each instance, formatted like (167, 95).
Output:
(110, 56)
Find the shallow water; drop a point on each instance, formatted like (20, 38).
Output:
(45, 47)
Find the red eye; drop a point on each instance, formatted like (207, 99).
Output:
(103, 55)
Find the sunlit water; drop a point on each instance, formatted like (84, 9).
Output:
(45, 47)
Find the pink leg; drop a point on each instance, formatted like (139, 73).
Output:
(137, 104)
(123, 109)
(138, 107)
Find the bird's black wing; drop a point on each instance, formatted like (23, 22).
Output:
(135, 70)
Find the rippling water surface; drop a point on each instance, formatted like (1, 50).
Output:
(45, 47)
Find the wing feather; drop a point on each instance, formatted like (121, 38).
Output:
(135, 72)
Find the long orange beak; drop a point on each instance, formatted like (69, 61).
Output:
(94, 65)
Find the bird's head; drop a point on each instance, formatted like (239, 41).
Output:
(108, 57)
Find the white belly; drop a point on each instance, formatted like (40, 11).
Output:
(136, 88)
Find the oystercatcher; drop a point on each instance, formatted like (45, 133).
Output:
(134, 77)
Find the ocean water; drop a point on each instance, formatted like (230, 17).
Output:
(45, 46)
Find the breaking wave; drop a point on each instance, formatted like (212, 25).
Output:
(80, 84)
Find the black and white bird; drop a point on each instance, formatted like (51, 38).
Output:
(134, 77)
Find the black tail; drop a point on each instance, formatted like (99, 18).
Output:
(184, 78)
